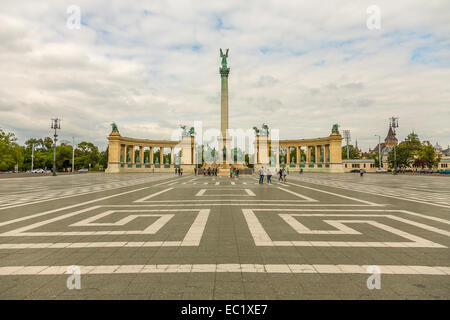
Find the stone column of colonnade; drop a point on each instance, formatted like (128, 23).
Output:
(317, 155)
(141, 154)
(132, 154)
(151, 149)
(288, 156)
(308, 154)
(171, 155)
(297, 149)
(161, 153)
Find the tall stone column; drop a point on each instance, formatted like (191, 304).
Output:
(161, 153)
(224, 72)
(171, 156)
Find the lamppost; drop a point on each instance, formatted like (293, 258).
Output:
(379, 150)
(73, 154)
(32, 157)
(394, 125)
(56, 124)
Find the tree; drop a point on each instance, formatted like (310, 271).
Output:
(63, 156)
(10, 152)
(352, 152)
(85, 154)
(427, 156)
(405, 156)
(103, 157)
(376, 158)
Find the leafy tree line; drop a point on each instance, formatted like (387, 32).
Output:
(11, 153)
(413, 152)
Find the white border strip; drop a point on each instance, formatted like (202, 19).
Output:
(220, 268)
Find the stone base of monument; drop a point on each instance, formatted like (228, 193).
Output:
(223, 172)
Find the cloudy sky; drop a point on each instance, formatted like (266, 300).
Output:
(299, 66)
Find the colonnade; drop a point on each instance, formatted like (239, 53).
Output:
(136, 155)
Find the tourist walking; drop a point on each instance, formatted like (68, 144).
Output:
(269, 175)
(284, 175)
(181, 171)
(361, 172)
(280, 175)
(195, 171)
(237, 174)
(231, 173)
(261, 175)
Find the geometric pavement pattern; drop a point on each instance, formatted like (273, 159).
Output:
(233, 238)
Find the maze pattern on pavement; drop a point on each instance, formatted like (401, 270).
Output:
(236, 222)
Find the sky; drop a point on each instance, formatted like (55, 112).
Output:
(151, 66)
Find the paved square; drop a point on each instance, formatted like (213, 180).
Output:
(160, 236)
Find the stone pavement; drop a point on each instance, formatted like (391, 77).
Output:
(160, 236)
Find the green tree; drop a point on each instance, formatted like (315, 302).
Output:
(375, 157)
(427, 156)
(63, 156)
(353, 154)
(86, 153)
(405, 156)
(10, 152)
(103, 158)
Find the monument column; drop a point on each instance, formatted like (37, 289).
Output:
(224, 72)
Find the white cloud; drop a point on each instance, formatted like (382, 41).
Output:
(298, 65)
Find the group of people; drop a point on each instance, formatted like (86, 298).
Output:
(234, 172)
(210, 172)
(282, 173)
(179, 171)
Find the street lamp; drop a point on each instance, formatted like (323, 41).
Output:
(73, 154)
(379, 150)
(56, 124)
(32, 157)
(394, 125)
